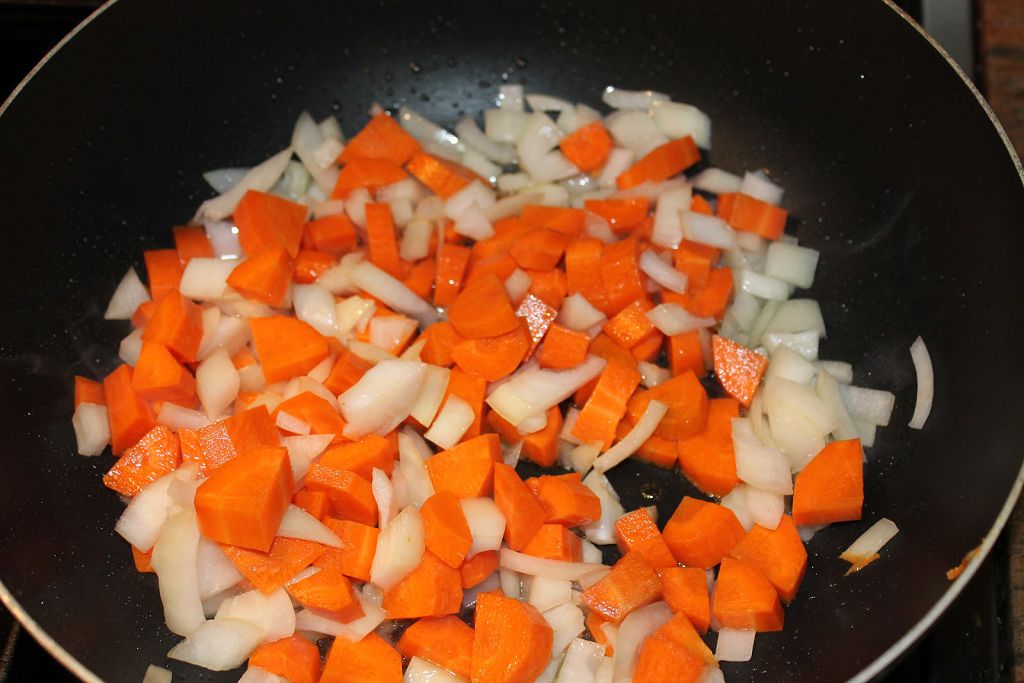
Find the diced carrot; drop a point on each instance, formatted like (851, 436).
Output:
(493, 357)
(563, 348)
(381, 241)
(477, 568)
(143, 314)
(243, 501)
(129, 415)
(750, 214)
(685, 590)
(421, 279)
(540, 249)
(695, 261)
(483, 309)
(707, 459)
(738, 369)
(159, 376)
(630, 325)
(583, 271)
(447, 533)
(441, 339)
(501, 265)
(744, 599)
(294, 658)
(569, 221)
(687, 406)
(334, 234)
(587, 147)
(700, 534)
(268, 571)
(266, 221)
(163, 270)
(779, 554)
(566, 501)
(555, 542)
(636, 532)
(524, 516)
(681, 631)
(315, 503)
(328, 592)
(538, 317)
(218, 443)
(444, 641)
(88, 391)
(358, 546)
(143, 560)
(621, 214)
(444, 178)
(351, 496)
(433, 589)
(512, 642)
(661, 163)
(506, 232)
(831, 487)
(311, 264)
(287, 347)
(594, 621)
(700, 205)
(191, 242)
(649, 348)
(381, 138)
(317, 413)
(348, 369)
(606, 405)
(243, 358)
(154, 455)
(452, 260)
(541, 446)
(656, 450)
(370, 659)
(472, 390)
(620, 273)
(685, 353)
(264, 276)
(631, 583)
(369, 174)
(548, 285)
(361, 457)
(711, 299)
(663, 661)
(466, 469)
(177, 323)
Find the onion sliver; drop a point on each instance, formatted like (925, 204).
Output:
(430, 395)
(579, 314)
(455, 418)
(261, 178)
(471, 134)
(127, 297)
(758, 465)
(870, 405)
(791, 263)
(535, 390)
(392, 292)
(400, 548)
(92, 428)
(486, 524)
(662, 273)
(667, 230)
(709, 230)
(218, 644)
(382, 398)
(678, 120)
(142, 520)
(717, 181)
(551, 569)
(866, 547)
(421, 671)
(354, 630)
(297, 523)
(925, 383)
(412, 451)
(602, 530)
(629, 444)
(673, 319)
(273, 613)
(633, 631)
(174, 561)
(566, 622)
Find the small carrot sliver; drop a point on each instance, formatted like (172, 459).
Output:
(286, 346)
(370, 659)
(512, 641)
(191, 242)
(524, 516)
(587, 147)
(700, 534)
(294, 658)
(381, 240)
(661, 163)
(266, 221)
(157, 453)
(143, 560)
(358, 546)
(129, 415)
(433, 589)
(831, 487)
(779, 554)
(445, 641)
(447, 532)
(685, 590)
(636, 532)
(479, 567)
(751, 214)
(88, 391)
(483, 309)
(555, 542)
(739, 369)
(631, 583)
(163, 270)
(467, 469)
(744, 599)
(707, 459)
(381, 138)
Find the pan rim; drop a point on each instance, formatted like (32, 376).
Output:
(869, 672)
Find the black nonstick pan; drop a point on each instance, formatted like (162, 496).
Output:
(894, 168)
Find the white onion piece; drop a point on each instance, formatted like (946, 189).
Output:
(431, 393)
(422, 671)
(591, 553)
(486, 524)
(261, 177)
(788, 364)
(602, 530)
(568, 423)
(763, 286)
(619, 159)
(717, 181)
(512, 182)
(513, 204)
(517, 285)
(629, 444)
(215, 571)
(744, 310)
(474, 193)
(552, 569)
(566, 622)
(392, 292)
(511, 583)
(391, 332)
(678, 120)
(579, 314)
(510, 97)
(306, 140)
(544, 593)
(305, 383)
(223, 179)
(635, 130)
(142, 520)
(652, 375)
(546, 103)
(668, 225)
(331, 207)
(804, 343)
(382, 397)
(828, 391)
(473, 223)
(925, 383)
(537, 153)
(758, 465)
(272, 613)
(384, 495)
(297, 523)
(425, 130)
(582, 661)
(870, 405)
(757, 184)
(617, 98)
(791, 263)
(479, 164)
(474, 137)
(223, 238)
(174, 561)
(229, 333)
(800, 399)
(355, 206)
(354, 630)
(338, 279)
(871, 541)
(505, 125)
(662, 273)
(206, 279)
(130, 348)
(218, 645)
(217, 383)
(127, 296)
(598, 228)
(322, 370)
(415, 242)
(672, 319)
(535, 390)
(314, 304)
(412, 451)
(303, 450)
(92, 428)
(352, 311)
(737, 500)
(328, 151)
(455, 418)
(633, 631)
(254, 674)
(709, 230)
(841, 371)
(734, 645)
(808, 531)
(400, 548)
(582, 457)
(795, 436)
(797, 315)
(765, 508)
(550, 671)
(157, 674)
(606, 671)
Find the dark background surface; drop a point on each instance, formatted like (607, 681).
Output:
(970, 643)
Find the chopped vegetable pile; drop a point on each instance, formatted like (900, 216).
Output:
(335, 371)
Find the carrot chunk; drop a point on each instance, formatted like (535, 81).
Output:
(328, 592)
(358, 546)
(444, 641)
(381, 241)
(664, 661)
(316, 412)
(695, 261)
(447, 532)
(631, 583)
(661, 163)
(687, 406)
(594, 622)
(779, 554)
(433, 589)
(492, 358)
(266, 221)
(159, 376)
(700, 534)
(709, 300)
(479, 567)
(524, 516)
(512, 641)
(294, 658)
(538, 317)
(177, 323)
(636, 532)
(744, 599)
(587, 147)
(483, 309)
(315, 503)
(191, 242)
(707, 459)
(333, 234)
(561, 219)
(370, 659)
(264, 276)
(606, 405)
(218, 443)
(287, 347)
(347, 370)
(351, 496)
(739, 369)
(751, 214)
(620, 273)
(466, 469)
(270, 570)
(563, 348)
(621, 214)
(472, 390)
(583, 271)
(381, 138)
(630, 326)
(555, 542)
(129, 415)
(369, 174)
(540, 249)
(310, 264)
(565, 500)
(163, 270)
(444, 178)
(831, 487)
(89, 391)
(156, 454)
(685, 590)
(364, 455)
(549, 286)
(685, 353)
(541, 446)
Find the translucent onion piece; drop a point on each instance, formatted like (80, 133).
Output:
(400, 548)
(552, 569)
(92, 428)
(297, 523)
(127, 297)
(925, 383)
(734, 645)
(865, 549)
(261, 178)
(629, 444)
(218, 645)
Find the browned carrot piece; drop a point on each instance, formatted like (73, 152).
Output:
(369, 174)
(482, 309)
(707, 458)
(351, 496)
(154, 455)
(563, 348)
(266, 221)
(587, 147)
(467, 469)
(687, 406)
(538, 317)
(607, 404)
(685, 590)
(163, 270)
(287, 347)
(452, 260)
(347, 370)
(370, 659)
(445, 641)
(447, 532)
(433, 589)
(621, 214)
(362, 456)
(744, 599)
(685, 353)
(358, 546)
(444, 178)
(664, 661)
(328, 592)
(159, 376)
(129, 415)
(831, 487)
(294, 658)
(555, 542)
(549, 286)
(700, 534)
(264, 276)
(177, 323)
(479, 567)
(492, 358)
(661, 163)
(334, 234)
(88, 391)
(191, 242)
(631, 583)
(315, 503)
(512, 641)
(750, 214)
(540, 249)
(268, 571)
(779, 554)
(310, 264)
(637, 532)
(381, 138)
(565, 500)
(739, 369)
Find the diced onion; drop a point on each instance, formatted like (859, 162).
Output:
(517, 285)
(384, 495)
(734, 645)
(354, 630)
(602, 530)
(870, 405)
(92, 428)
(662, 273)
(130, 348)
(174, 561)
(306, 141)
(788, 364)
(314, 304)
(127, 297)
(505, 125)
(217, 383)
(566, 622)
(535, 390)
(652, 375)
(617, 98)
(672, 319)
(765, 508)
(216, 572)
(392, 292)
(737, 501)
(679, 120)
(157, 674)
(297, 523)
(797, 315)
(206, 279)
(255, 674)
(455, 418)
(667, 230)
(416, 240)
(629, 444)
(472, 222)
(218, 644)
(412, 451)
(425, 130)
(552, 569)
(925, 383)
(382, 397)
(544, 593)
(759, 186)
(486, 524)
(758, 465)
(338, 279)
(709, 230)
(421, 671)
(261, 177)
(287, 422)
(804, 343)
(581, 663)
(471, 134)
(763, 286)
(633, 631)
(791, 263)
(391, 332)
(579, 314)
(840, 370)
(229, 333)
(540, 102)
(273, 613)
(142, 520)
(537, 153)
(430, 395)
(717, 181)
(400, 548)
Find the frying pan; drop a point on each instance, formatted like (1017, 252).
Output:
(894, 168)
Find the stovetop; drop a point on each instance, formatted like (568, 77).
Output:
(970, 643)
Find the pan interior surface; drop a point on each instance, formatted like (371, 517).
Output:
(891, 168)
